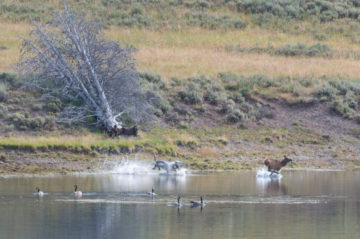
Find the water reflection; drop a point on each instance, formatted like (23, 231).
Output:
(271, 185)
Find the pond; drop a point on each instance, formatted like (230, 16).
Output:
(300, 204)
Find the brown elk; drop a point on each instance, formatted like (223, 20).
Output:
(274, 165)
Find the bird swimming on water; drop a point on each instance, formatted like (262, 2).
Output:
(76, 192)
(38, 192)
(197, 204)
(176, 204)
(152, 193)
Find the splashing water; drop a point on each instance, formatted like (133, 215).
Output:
(135, 167)
(264, 173)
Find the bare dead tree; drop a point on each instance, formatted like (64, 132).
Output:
(74, 56)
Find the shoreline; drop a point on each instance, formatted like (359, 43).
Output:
(67, 163)
(192, 172)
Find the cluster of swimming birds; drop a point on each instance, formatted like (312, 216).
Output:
(178, 202)
(78, 194)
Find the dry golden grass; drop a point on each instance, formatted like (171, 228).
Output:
(9, 38)
(183, 62)
(194, 51)
(85, 140)
(206, 39)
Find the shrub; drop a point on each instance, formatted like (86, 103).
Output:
(3, 158)
(152, 85)
(228, 77)
(247, 108)
(3, 92)
(306, 82)
(183, 125)
(208, 21)
(23, 122)
(357, 120)
(202, 4)
(191, 94)
(238, 97)
(340, 85)
(328, 92)
(175, 81)
(227, 106)
(49, 123)
(172, 118)
(328, 15)
(152, 78)
(36, 123)
(319, 50)
(3, 110)
(297, 90)
(263, 81)
(19, 120)
(158, 101)
(10, 80)
(16, 117)
(136, 10)
(54, 105)
(286, 88)
(304, 50)
(341, 107)
(235, 116)
(320, 36)
(9, 127)
(36, 107)
(214, 93)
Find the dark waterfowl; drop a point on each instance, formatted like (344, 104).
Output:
(176, 204)
(76, 192)
(197, 204)
(152, 193)
(39, 192)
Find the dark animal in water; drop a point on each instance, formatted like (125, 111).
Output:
(168, 166)
(160, 164)
(176, 165)
(274, 165)
(115, 131)
(197, 204)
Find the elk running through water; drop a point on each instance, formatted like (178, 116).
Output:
(274, 165)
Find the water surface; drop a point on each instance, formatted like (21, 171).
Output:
(302, 204)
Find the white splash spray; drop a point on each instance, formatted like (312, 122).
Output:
(264, 173)
(132, 167)
(136, 167)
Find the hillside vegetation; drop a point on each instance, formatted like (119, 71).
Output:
(233, 82)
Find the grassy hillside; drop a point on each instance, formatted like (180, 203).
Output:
(236, 81)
